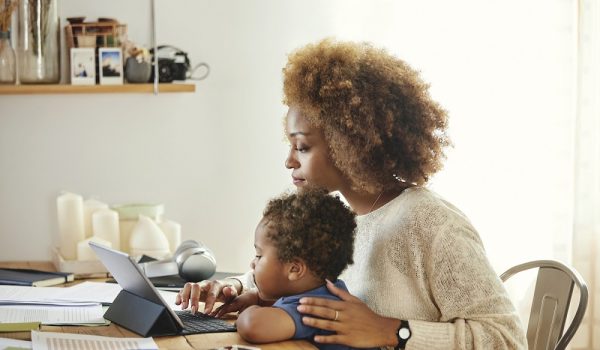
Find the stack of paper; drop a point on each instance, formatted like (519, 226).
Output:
(46, 305)
(87, 293)
(79, 304)
(14, 295)
(57, 341)
(56, 315)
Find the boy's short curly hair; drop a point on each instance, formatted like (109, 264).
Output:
(313, 226)
(375, 111)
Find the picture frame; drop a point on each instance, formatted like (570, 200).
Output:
(110, 62)
(83, 66)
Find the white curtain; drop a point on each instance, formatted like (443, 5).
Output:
(586, 226)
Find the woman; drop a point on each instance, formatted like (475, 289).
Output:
(361, 122)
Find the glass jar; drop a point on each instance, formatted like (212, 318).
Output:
(8, 71)
(38, 47)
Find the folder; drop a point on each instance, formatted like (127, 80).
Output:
(19, 327)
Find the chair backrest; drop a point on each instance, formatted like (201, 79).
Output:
(551, 300)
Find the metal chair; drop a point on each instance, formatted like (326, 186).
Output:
(551, 300)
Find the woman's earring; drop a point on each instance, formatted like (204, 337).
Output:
(398, 178)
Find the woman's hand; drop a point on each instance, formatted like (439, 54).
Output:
(208, 292)
(238, 304)
(354, 323)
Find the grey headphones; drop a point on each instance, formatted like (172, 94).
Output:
(193, 261)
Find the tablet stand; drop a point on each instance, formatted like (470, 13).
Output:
(141, 316)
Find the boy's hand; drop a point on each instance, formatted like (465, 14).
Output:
(238, 304)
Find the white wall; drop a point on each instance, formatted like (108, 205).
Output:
(502, 69)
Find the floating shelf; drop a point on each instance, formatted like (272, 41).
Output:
(92, 89)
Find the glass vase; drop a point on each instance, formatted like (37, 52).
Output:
(38, 47)
(8, 71)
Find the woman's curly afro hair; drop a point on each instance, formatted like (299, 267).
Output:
(374, 110)
(313, 226)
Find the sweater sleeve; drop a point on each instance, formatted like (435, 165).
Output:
(476, 311)
(246, 280)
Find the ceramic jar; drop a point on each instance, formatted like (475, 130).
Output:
(129, 215)
(137, 72)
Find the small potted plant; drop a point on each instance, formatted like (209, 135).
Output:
(138, 65)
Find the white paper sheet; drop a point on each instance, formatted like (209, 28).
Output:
(51, 314)
(57, 341)
(11, 295)
(21, 293)
(98, 292)
(7, 342)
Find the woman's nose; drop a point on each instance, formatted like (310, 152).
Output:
(290, 161)
(252, 264)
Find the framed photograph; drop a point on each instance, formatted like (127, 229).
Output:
(110, 61)
(83, 66)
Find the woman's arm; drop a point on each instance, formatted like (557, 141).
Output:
(258, 324)
(475, 310)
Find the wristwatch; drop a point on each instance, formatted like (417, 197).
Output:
(403, 335)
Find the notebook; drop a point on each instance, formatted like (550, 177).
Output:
(34, 278)
(132, 279)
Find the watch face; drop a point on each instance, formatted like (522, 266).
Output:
(404, 333)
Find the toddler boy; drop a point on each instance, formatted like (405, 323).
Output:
(303, 239)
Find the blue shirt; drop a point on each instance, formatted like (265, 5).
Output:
(303, 331)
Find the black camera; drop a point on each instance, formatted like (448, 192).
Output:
(171, 68)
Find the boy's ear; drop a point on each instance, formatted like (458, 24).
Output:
(297, 269)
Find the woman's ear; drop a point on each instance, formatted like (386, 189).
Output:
(297, 269)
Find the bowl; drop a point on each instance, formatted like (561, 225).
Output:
(76, 20)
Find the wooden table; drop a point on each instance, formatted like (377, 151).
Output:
(187, 342)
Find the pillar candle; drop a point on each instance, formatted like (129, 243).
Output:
(172, 231)
(85, 252)
(105, 225)
(70, 224)
(89, 207)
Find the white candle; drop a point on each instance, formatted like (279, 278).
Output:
(172, 231)
(89, 207)
(70, 223)
(147, 238)
(85, 252)
(105, 225)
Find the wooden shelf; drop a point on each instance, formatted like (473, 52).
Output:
(92, 89)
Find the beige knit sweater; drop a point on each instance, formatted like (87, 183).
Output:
(419, 258)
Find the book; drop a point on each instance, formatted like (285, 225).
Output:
(34, 278)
